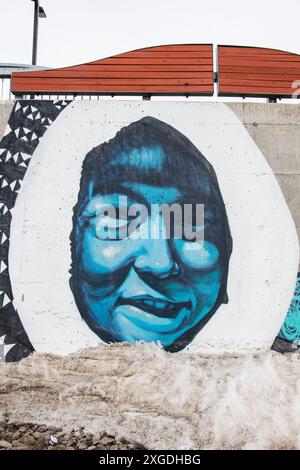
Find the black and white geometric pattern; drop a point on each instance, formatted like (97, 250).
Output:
(28, 122)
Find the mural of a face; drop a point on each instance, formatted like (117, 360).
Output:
(155, 290)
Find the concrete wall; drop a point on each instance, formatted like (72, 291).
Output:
(42, 153)
(275, 128)
(5, 110)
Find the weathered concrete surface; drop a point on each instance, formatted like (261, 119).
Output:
(5, 110)
(275, 128)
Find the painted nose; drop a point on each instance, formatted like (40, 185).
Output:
(156, 260)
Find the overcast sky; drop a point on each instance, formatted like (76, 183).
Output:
(77, 31)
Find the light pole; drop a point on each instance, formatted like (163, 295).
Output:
(39, 12)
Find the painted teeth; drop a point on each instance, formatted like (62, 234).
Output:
(155, 303)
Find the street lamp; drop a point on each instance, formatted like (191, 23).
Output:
(39, 12)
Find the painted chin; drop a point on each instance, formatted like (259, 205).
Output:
(133, 323)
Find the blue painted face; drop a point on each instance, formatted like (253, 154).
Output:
(155, 290)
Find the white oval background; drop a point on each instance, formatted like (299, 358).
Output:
(263, 264)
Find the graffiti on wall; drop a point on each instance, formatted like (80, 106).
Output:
(131, 288)
(290, 329)
(101, 239)
(27, 124)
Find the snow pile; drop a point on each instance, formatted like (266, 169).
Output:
(159, 399)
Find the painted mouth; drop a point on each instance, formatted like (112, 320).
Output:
(158, 307)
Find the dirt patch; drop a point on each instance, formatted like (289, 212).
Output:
(29, 436)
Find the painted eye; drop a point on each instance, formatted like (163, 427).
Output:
(198, 254)
(112, 224)
(193, 233)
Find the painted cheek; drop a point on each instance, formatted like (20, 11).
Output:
(197, 255)
(206, 288)
(102, 256)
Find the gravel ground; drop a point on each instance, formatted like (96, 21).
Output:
(29, 436)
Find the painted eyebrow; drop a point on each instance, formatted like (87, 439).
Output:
(127, 191)
(186, 198)
(171, 194)
(119, 189)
